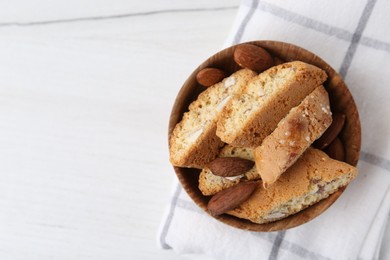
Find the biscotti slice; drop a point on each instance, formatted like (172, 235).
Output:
(312, 178)
(294, 134)
(210, 184)
(193, 142)
(255, 113)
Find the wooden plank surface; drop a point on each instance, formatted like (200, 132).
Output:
(84, 108)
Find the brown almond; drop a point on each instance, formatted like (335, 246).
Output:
(336, 150)
(231, 198)
(253, 57)
(230, 166)
(210, 76)
(332, 132)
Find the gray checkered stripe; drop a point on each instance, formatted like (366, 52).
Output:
(354, 38)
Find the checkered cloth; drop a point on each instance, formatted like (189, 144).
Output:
(353, 37)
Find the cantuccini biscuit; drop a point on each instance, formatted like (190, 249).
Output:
(193, 142)
(293, 135)
(312, 178)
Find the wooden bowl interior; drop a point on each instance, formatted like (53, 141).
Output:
(341, 101)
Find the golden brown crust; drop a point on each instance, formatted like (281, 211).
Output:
(300, 186)
(293, 135)
(255, 112)
(193, 142)
(202, 152)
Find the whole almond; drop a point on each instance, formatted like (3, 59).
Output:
(210, 76)
(336, 150)
(332, 132)
(230, 166)
(252, 57)
(231, 198)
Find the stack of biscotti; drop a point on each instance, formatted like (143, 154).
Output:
(270, 119)
(312, 178)
(254, 114)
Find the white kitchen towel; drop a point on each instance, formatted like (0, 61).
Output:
(353, 37)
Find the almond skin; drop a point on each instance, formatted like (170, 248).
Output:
(332, 132)
(230, 166)
(336, 150)
(210, 76)
(253, 57)
(230, 198)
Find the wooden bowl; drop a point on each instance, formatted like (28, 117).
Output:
(341, 101)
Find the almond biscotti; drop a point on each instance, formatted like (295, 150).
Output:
(193, 142)
(293, 135)
(210, 184)
(255, 112)
(312, 178)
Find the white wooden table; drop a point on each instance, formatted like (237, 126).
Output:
(86, 89)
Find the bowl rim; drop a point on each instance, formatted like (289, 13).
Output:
(244, 224)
